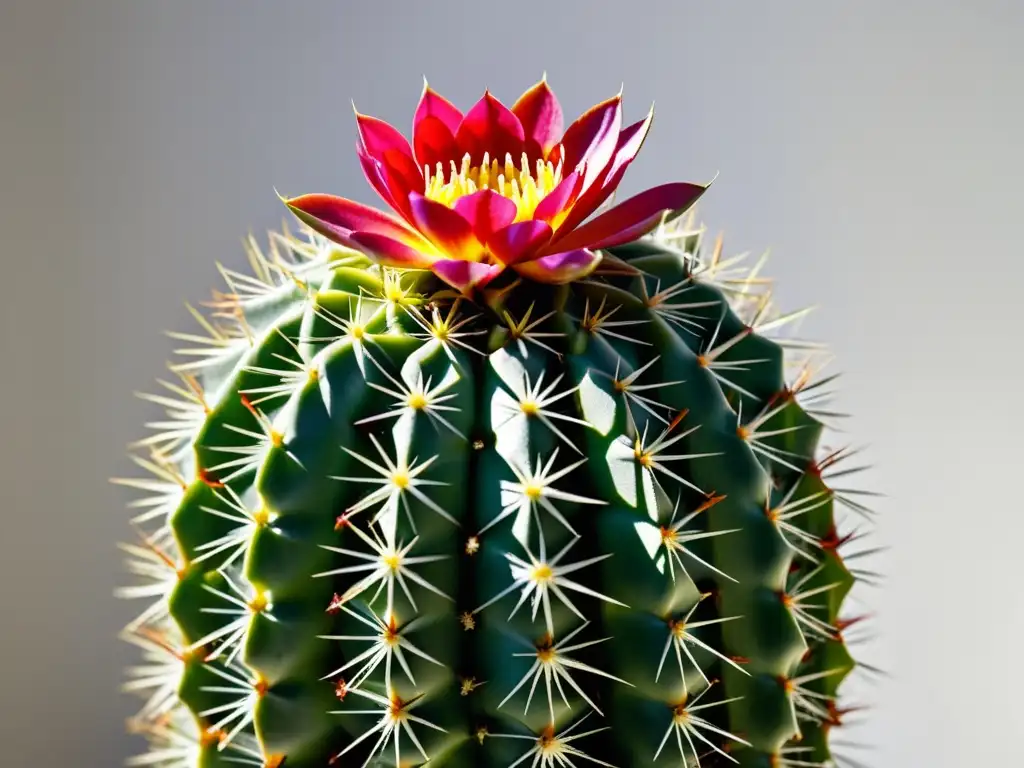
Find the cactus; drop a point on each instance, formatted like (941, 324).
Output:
(394, 518)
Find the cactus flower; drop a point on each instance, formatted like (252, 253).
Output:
(497, 188)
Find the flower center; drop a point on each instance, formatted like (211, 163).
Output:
(522, 185)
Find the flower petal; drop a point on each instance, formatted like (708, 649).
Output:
(390, 252)
(559, 199)
(434, 144)
(337, 218)
(541, 116)
(631, 219)
(379, 137)
(562, 267)
(432, 104)
(390, 182)
(465, 275)
(402, 176)
(490, 127)
(445, 228)
(374, 174)
(591, 139)
(628, 145)
(519, 241)
(487, 212)
(630, 140)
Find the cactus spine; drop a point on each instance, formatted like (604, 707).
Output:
(565, 525)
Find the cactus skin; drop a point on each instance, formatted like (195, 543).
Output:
(637, 433)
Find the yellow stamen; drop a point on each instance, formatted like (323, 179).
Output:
(522, 185)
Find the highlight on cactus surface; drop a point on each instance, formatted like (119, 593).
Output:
(508, 476)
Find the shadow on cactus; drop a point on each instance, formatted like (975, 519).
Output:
(508, 476)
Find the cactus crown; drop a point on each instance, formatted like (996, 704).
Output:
(589, 523)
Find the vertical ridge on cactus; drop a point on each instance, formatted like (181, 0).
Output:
(489, 482)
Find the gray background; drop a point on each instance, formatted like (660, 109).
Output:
(877, 150)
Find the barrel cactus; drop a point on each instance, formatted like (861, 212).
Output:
(494, 480)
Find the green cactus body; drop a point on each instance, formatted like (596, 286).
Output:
(561, 525)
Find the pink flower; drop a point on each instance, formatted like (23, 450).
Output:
(496, 189)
